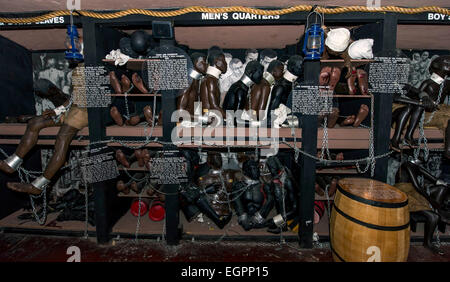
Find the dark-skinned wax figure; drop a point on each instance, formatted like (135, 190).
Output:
(190, 192)
(67, 115)
(428, 200)
(258, 100)
(282, 90)
(237, 95)
(209, 87)
(186, 101)
(212, 192)
(253, 202)
(282, 193)
(432, 93)
(218, 185)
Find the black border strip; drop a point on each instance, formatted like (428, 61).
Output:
(371, 226)
(372, 202)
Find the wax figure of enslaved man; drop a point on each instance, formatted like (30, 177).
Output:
(191, 95)
(282, 88)
(209, 87)
(432, 93)
(259, 97)
(236, 97)
(218, 184)
(284, 192)
(209, 193)
(428, 200)
(252, 202)
(67, 115)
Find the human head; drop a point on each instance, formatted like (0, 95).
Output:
(51, 62)
(441, 66)
(276, 68)
(217, 59)
(199, 61)
(251, 55)
(267, 56)
(254, 70)
(425, 55)
(214, 159)
(228, 57)
(250, 168)
(295, 65)
(213, 49)
(235, 64)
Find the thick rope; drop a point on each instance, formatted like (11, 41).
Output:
(198, 9)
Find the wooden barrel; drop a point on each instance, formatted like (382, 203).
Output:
(369, 222)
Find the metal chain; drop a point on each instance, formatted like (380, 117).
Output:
(138, 223)
(422, 136)
(127, 116)
(325, 151)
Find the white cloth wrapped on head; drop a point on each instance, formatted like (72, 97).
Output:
(338, 39)
(361, 49)
(119, 58)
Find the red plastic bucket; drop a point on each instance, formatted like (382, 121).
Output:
(157, 211)
(135, 207)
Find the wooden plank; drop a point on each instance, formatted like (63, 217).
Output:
(133, 131)
(135, 95)
(19, 129)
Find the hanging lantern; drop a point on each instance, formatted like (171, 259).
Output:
(73, 43)
(313, 43)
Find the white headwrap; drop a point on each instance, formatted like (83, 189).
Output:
(361, 49)
(338, 39)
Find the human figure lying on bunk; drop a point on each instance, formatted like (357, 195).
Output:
(431, 94)
(67, 115)
(209, 193)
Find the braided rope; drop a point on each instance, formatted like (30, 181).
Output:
(198, 9)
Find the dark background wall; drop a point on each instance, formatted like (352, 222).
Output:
(16, 84)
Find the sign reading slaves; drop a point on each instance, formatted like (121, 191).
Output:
(168, 168)
(312, 100)
(91, 86)
(99, 166)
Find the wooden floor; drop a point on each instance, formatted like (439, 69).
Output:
(202, 229)
(33, 248)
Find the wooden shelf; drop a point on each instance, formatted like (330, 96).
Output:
(132, 64)
(135, 95)
(317, 197)
(337, 171)
(11, 133)
(339, 137)
(352, 96)
(133, 194)
(340, 62)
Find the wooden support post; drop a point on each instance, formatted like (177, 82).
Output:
(383, 104)
(172, 198)
(96, 133)
(308, 165)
